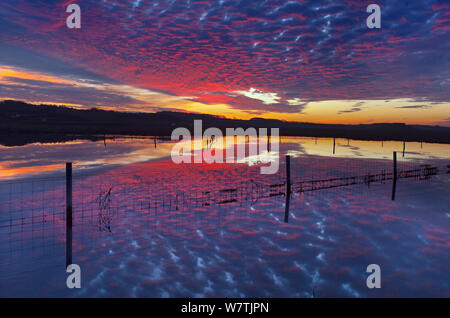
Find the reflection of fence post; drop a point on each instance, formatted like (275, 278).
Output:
(288, 175)
(68, 213)
(286, 209)
(288, 188)
(394, 176)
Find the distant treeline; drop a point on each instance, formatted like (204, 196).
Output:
(54, 122)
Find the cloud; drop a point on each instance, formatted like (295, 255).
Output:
(266, 98)
(35, 87)
(263, 56)
(445, 122)
(352, 110)
(22, 57)
(355, 108)
(297, 102)
(414, 107)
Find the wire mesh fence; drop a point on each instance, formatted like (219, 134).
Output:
(42, 202)
(33, 217)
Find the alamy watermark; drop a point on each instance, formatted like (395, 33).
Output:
(73, 21)
(374, 279)
(373, 20)
(74, 279)
(262, 148)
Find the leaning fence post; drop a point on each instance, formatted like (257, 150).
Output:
(288, 175)
(394, 175)
(68, 213)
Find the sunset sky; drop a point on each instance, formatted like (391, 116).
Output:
(304, 60)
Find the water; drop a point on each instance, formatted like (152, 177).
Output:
(145, 227)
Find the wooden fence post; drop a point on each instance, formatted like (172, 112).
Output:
(286, 209)
(334, 145)
(404, 147)
(394, 176)
(68, 213)
(288, 175)
(288, 188)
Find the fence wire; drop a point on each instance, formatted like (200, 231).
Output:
(33, 212)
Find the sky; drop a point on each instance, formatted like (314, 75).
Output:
(305, 60)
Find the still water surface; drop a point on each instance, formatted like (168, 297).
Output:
(145, 227)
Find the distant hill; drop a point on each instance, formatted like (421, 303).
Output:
(42, 121)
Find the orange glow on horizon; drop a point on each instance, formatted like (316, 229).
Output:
(6, 72)
(322, 112)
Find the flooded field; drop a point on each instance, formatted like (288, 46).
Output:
(146, 227)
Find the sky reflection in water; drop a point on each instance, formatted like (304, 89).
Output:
(242, 248)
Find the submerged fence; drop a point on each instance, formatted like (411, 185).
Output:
(52, 209)
(55, 199)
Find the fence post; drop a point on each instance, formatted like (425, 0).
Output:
(68, 213)
(334, 145)
(394, 176)
(404, 147)
(288, 188)
(286, 209)
(69, 193)
(288, 175)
